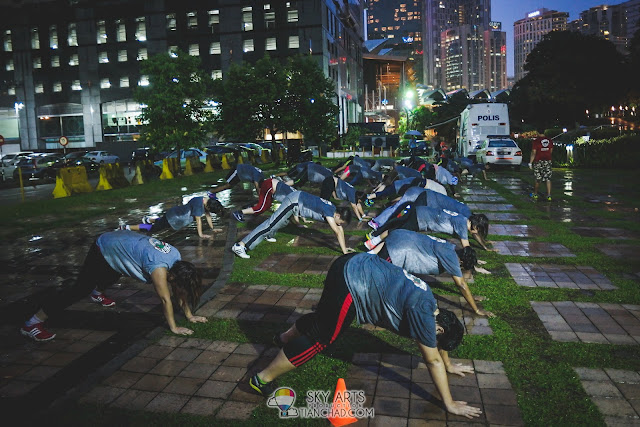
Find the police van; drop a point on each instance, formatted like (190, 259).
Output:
(477, 122)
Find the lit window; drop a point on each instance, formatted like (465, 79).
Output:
(39, 88)
(57, 87)
(101, 32)
(144, 81)
(8, 43)
(37, 62)
(35, 39)
(214, 17)
(75, 85)
(141, 30)
(294, 42)
(53, 37)
(216, 74)
(214, 49)
(11, 90)
(124, 81)
(142, 54)
(173, 51)
(55, 61)
(269, 20)
(292, 15)
(9, 65)
(73, 60)
(192, 20)
(247, 45)
(171, 22)
(270, 43)
(121, 31)
(103, 57)
(105, 84)
(122, 55)
(194, 49)
(72, 35)
(267, 6)
(247, 19)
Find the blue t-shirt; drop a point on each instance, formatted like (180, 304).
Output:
(405, 172)
(135, 255)
(248, 173)
(282, 190)
(368, 173)
(317, 173)
(345, 191)
(421, 253)
(310, 206)
(181, 216)
(398, 184)
(361, 162)
(384, 295)
(441, 201)
(443, 176)
(432, 219)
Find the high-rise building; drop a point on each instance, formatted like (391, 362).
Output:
(495, 59)
(400, 22)
(607, 22)
(529, 31)
(632, 18)
(70, 69)
(441, 15)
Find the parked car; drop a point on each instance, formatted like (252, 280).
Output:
(7, 159)
(64, 162)
(220, 149)
(102, 157)
(145, 153)
(499, 151)
(256, 147)
(184, 154)
(35, 167)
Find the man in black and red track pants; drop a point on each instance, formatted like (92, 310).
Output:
(368, 288)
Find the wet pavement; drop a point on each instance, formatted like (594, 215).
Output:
(121, 357)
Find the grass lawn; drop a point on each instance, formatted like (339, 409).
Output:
(540, 369)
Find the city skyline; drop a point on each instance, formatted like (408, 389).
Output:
(508, 11)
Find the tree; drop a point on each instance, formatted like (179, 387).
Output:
(568, 73)
(174, 115)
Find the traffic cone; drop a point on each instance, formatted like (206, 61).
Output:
(341, 414)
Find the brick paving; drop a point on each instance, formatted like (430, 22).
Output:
(499, 216)
(589, 322)
(516, 230)
(478, 191)
(483, 198)
(533, 249)
(493, 207)
(615, 392)
(297, 263)
(400, 389)
(558, 276)
(626, 252)
(605, 232)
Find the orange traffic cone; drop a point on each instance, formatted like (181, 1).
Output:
(341, 414)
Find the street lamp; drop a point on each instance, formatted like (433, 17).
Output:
(409, 95)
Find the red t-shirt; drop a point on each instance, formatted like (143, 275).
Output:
(543, 147)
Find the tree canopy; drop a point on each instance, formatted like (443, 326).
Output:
(174, 115)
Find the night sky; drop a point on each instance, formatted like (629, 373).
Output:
(509, 11)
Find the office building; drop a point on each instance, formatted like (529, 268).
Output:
(70, 67)
(529, 31)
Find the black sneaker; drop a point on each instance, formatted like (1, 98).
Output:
(238, 215)
(277, 341)
(262, 389)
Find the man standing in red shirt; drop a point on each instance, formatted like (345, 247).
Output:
(540, 162)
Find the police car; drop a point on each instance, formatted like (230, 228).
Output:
(499, 151)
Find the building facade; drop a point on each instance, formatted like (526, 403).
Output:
(441, 15)
(528, 32)
(70, 69)
(607, 22)
(632, 18)
(495, 59)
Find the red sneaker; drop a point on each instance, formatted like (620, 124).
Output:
(103, 300)
(37, 332)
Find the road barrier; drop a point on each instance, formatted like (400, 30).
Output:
(225, 161)
(111, 176)
(166, 170)
(70, 181)
(212, 162)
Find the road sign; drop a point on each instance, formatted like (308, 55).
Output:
(63, 140)
(1, 140)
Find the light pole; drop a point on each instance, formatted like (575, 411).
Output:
(408, 106)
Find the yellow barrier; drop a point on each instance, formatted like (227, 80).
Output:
(138, 178)
(225, 162)
(193, 166)
(111, 176)
(166, 171)
(79, 180)
(281, 155)
(209, 166)
(174, 164)
(60, 190)
(103, 183)
(264, 157)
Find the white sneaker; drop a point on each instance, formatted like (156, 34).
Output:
(146, 219)
(270, 239)
(240, 251)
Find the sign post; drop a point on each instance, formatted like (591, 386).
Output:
(63, 140)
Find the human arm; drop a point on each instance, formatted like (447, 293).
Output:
(356, 211)
(190, 317)
(199, 227)
(455, 368)
(339, 232)
(466, 293)
(533, 156)
(161, 286)
(435, 364)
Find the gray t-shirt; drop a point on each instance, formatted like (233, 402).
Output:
(248, 173)
(384, 295)
(405, 172)
(443, 176)
(135, 255)
(282, 190)
(421, 253)
(317, 173)
(310, 206)
(180, 216)
(432, 219)
(345, 191)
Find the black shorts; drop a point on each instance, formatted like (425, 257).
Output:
(327, 188)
